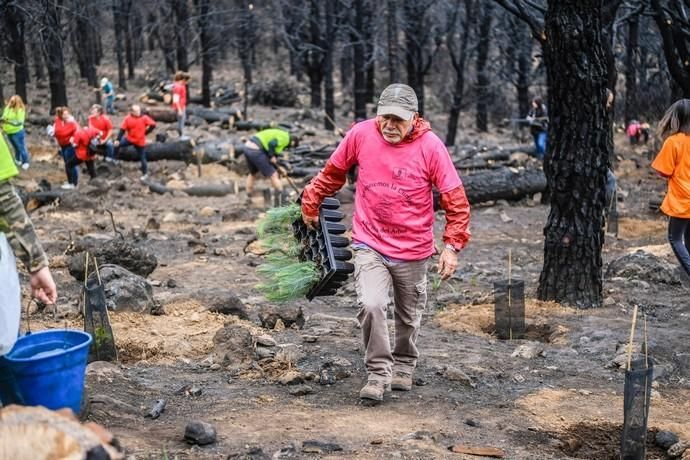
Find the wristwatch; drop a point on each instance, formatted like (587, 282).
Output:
(452, 248)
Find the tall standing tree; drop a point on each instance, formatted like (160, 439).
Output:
(459, 33)
(203, 8)
(632, 62)
(85, 40)
(673, 22)
(483, 79)
(52, 40)
(120, 26)
(392, 35)
(181, 9)
(359, 60)
(579, 147)
(14, 25)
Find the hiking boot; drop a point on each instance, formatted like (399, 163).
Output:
(373, 390)
(402, 381)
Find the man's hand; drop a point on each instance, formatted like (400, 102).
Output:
(447, 263)
(310, 222)
(274, 160)
(116, 144)
(43, 287)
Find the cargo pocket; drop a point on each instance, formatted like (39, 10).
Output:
(420, 290)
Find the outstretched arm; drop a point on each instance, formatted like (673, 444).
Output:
(326, 183)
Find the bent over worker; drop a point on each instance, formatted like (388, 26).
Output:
(262, 151)
(399, 160)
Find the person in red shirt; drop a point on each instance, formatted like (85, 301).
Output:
(399, 159)
(84, 141)
(62, 130)
(179, 98)
(133, 131)
(101, 122)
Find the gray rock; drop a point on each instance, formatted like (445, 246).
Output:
(456, 375)
(286, 452)
(264, 352)
(269, 316)
(126, 291)
(265, 340)
(643, 266)
(116, 251)
(528, 350)
(201, 433)
(233, 345)
(320, 447)
(677, 449)
(335, 369)
(255, 453)
(300, 390)
(291, 378)
(222, 301)
(665, 439)
(682, 361)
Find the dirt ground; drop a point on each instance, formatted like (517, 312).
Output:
(565, 402)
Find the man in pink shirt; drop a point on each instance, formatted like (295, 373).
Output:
(399, 161)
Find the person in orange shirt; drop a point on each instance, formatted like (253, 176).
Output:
(62, 130)
(673, 163)
(101, 122)
(133, 131)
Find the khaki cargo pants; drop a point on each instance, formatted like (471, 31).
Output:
(374, 276)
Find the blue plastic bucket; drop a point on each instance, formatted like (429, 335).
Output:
(49, 367)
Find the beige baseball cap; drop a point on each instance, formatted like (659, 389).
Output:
(399, 100)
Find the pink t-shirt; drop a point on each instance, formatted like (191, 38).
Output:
(394, 212)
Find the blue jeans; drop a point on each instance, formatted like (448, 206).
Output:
(17, 141)
(141, 151)
(679, 237)
(109, 149)
(69, 155)
(109, 105)
(540, 144)
(181, 121)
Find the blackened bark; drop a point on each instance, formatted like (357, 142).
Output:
(14, 32)
(524, 67)
(368, 35)
(359, 55)
(206, 42)
(328, 87)
(419, 46)
(579, 148)
(120, 26)
(631, 64)
(458, 59)
(129, 50)
(37, 54)
(151, 31)
(392, 33)
(675, 46)
(85, 42)
(315, 53)
(483, 80)
(181, 33)
(51, 37)
(346, 65)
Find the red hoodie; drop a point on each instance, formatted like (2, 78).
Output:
(81, 140)
(64, 130)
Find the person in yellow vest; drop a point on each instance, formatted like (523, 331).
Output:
(262, 151)
(13, 125)
(17, 230)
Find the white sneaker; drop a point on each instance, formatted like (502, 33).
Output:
(25, 166)
(109, 160)
(68, 186)
(143, 178)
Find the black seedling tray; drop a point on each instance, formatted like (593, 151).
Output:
(327, 248)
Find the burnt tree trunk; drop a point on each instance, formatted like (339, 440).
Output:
(631, 64)
(315, 53)
(392, 33)
(503, 184)
(51, 37)
(328, 87)
(120, 28)
(579, 148)
(369, 58)
(524, 66)
(37, 54)
(359, 55)
(458, 59)
(483, 79)
(129, 50)
(181, 33)
(86, 43)
(206, 43)
(14, 28)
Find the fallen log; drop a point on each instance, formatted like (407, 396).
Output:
(209, 190)
(156, 151)
(503, 184)
(162, 114)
